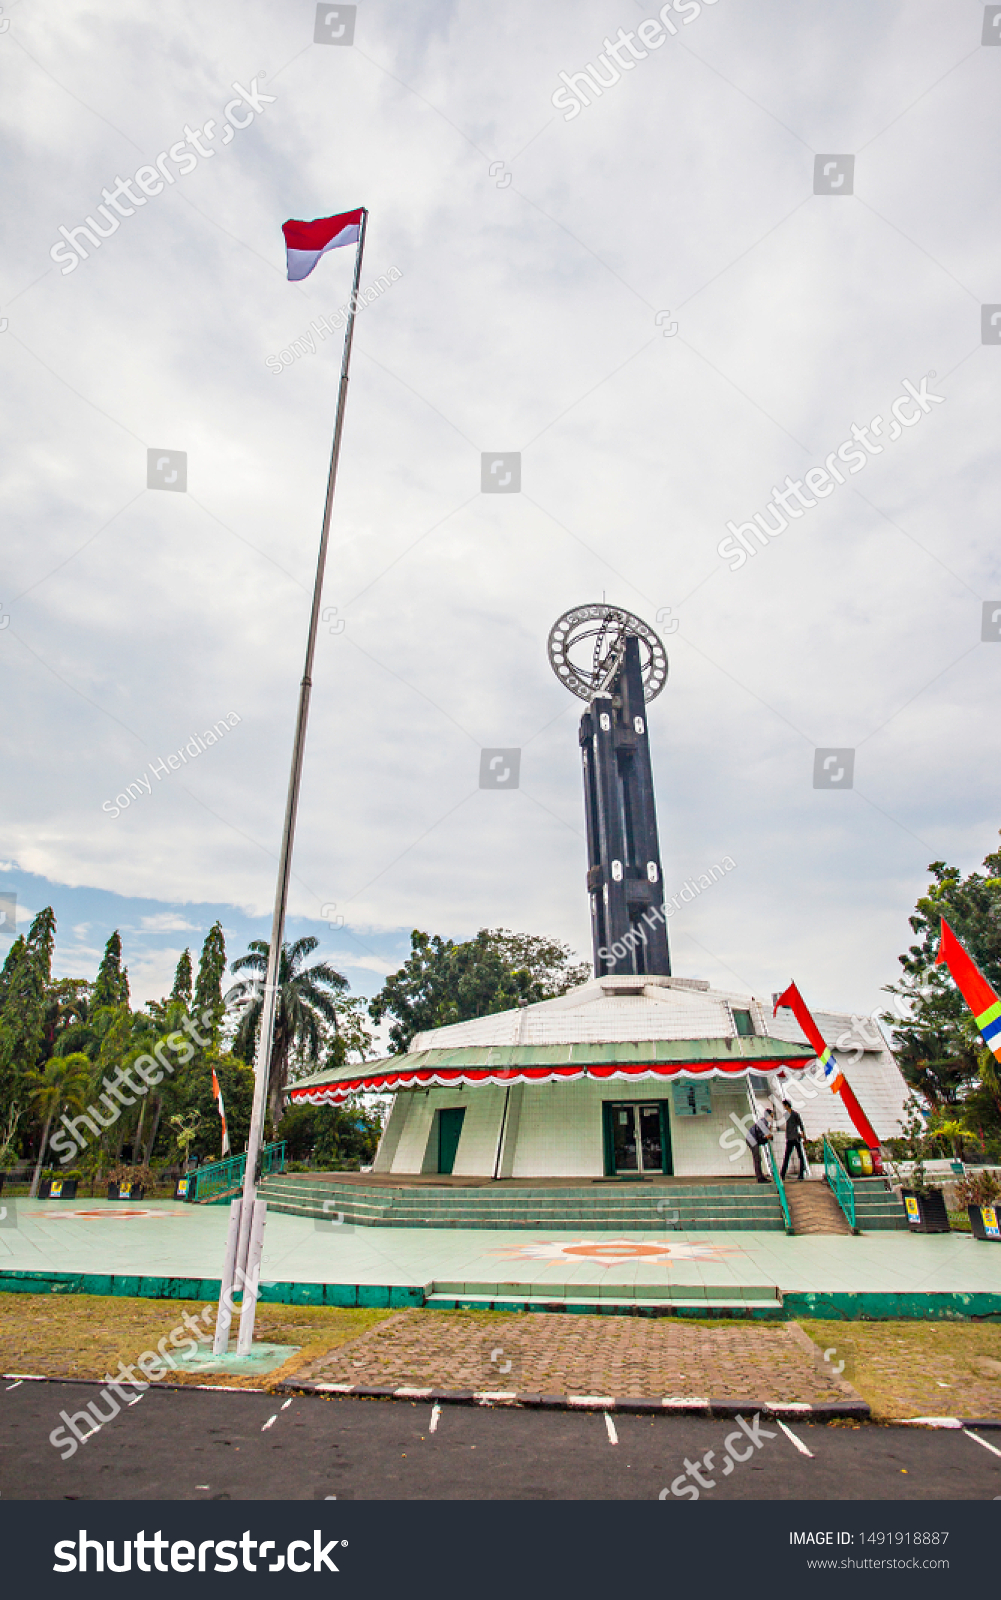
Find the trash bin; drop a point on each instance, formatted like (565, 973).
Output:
(984, 1221)
(125, 1191)
(853, 1161)
(866, 1159)
(57, 1189)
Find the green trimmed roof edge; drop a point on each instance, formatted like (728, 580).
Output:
(754, 1049)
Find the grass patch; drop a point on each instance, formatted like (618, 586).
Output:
(86, 1335)
(918, 1369)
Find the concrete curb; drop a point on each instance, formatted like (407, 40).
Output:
(141, 1388)
(693, 1406)
(684, 1405)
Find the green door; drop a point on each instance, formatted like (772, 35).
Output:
(637, 1138)
(449, 1129)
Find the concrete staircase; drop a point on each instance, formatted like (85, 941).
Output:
(630, 1207)
(877, 1208)
(813, 1208)
(760, 1303)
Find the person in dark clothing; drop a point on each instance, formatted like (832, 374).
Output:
(758, 1135)
(794, 1139)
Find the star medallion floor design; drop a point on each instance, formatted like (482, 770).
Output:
(615, 1250)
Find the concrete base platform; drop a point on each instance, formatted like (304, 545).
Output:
(174, 1251)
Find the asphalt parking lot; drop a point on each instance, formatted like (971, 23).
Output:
(194, 1444)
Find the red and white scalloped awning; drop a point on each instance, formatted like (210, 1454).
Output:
(389, 1080)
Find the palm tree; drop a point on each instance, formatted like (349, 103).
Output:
(63, 1082)
(304, 1003)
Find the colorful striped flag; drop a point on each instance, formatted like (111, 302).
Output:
(833, 1075)
(974, 988)
(217, 1092)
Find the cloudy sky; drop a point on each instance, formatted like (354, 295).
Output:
(644, 297)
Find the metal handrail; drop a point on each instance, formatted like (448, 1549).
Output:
(219, 1176)
(780, 1186)
(841, 1184)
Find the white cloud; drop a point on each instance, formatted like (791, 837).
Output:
(525, 319)
(347, 958)
(168, 922)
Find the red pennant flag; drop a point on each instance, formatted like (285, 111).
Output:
(793, 1001)
(974, 988)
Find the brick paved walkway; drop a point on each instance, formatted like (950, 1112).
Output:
(562, 1354)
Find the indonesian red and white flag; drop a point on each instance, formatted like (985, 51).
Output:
(306, 242)
(222, 1112)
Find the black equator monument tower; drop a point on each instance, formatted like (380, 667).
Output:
(617, 664)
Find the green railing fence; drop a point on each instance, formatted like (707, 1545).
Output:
(780, 1186)
(841, 1184)
(206, 1183)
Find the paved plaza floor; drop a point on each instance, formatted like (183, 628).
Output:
(177, 1241)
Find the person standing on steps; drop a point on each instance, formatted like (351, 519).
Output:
(794, 1139)
(758, 1135)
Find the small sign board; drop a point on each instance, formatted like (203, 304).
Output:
(692, 1099)
(912, 1208)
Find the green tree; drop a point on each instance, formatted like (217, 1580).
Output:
(67, 1012)
(192, 1091)
(443, 982)
(24, 982)
(332, 1138)
(304, 1003)
(938, 1046)
(208, 987)
(62, 1083)
(351, 1040)
(112, 985)
(182, 981)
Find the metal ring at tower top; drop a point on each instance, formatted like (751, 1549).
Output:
(600, 630)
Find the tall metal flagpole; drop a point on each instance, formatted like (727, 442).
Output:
(240, 1274)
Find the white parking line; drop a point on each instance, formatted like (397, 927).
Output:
(613, 1437)
(435, 1414)
(991, 1447)
(270, 1423)
(800, 1446)
(16, 1385)
(287, 1404)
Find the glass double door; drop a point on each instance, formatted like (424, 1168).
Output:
(638, 1137)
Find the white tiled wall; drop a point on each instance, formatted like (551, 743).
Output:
(559, 1131)
(391, 1134)
(411, 1150)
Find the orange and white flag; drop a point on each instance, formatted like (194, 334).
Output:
(222, 1112)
